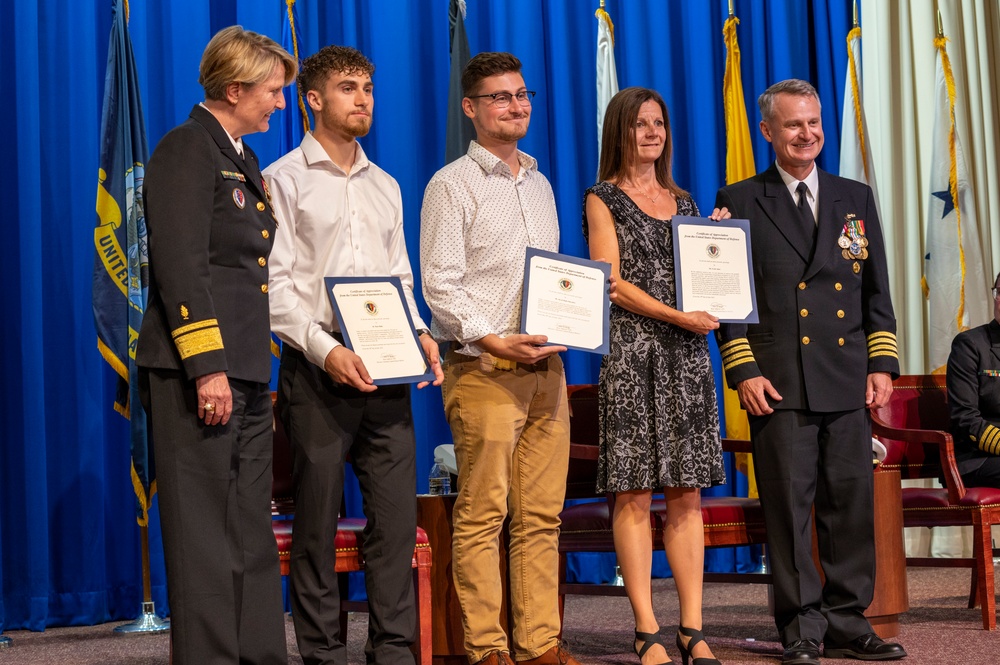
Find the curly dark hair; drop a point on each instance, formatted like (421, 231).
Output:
(487, 64)
(316, 69)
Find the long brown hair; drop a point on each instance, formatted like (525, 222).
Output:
(618, 148)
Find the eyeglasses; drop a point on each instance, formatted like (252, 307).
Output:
(502, 99)
(994, 291)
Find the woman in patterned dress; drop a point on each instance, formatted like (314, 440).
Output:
(659, 423)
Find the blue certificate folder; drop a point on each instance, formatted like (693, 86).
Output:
(349, 340)
(570, 275)
(728, 247)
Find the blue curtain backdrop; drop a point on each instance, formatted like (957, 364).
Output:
(69, 550)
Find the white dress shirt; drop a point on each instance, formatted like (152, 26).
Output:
(330, 224)
(812, 182)
(476, 222)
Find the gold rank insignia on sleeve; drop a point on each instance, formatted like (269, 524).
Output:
(990, 440)
(735, 352)
(199, 337)
(185, 314)
(882, 344)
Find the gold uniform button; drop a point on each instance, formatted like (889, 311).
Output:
(262, 261)
(265, 234)
(838, 286)
(805, 340)
(840, 312)
(802, 286)
(840, 341)
(803, 313)
(260, 206)
(263, 288)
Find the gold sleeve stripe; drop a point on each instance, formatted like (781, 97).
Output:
(197, 325)
(199, 341)
(882, 338)
(736, 352)
(740, 341)
(990, 440)
(739, 360)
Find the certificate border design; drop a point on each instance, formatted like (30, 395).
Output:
(683, 220)
(398, 285)
(605, 268)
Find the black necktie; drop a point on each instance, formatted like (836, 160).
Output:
(805, 212)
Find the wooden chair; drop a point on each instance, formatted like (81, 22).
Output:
(349, 545)
(914, 428)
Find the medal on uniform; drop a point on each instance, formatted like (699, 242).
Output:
(852, 240)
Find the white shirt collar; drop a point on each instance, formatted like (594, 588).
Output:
(791, 182)
(237, 143)
(315, 153)
(490, 163)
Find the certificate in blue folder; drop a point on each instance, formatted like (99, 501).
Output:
(376, 324)
(566, 299)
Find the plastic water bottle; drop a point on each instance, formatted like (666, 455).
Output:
(439, 480)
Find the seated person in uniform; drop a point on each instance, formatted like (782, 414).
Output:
(974, 400)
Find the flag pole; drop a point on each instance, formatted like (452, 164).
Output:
(147, 621)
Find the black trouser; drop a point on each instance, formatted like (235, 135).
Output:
(326, 422)
(986, 475)
(214, 485)
(804, 459)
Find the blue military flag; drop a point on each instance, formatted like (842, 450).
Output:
(121, 267)
(459, 130)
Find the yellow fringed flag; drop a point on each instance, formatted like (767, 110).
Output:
(954, 282)
(739, 166)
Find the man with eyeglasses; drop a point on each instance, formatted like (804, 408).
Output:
(974, 400)
(504, 392)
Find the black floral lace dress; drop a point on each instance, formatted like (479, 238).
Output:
(659, 419)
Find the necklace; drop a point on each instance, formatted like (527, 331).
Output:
(651, 199)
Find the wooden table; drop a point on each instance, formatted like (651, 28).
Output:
(434, 517)
(890, 556)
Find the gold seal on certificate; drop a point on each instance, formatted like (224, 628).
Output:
(566, 299)
(377, 326)
(713, 268)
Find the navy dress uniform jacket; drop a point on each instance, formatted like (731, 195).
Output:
(974, 395)
(826, 321)
(211, 228)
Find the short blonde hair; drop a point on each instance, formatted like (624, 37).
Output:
(235, 55)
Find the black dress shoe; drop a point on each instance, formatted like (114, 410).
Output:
(867, 647)
(801, 652)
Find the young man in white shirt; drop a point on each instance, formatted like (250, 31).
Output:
(341, 215)
(504, 392)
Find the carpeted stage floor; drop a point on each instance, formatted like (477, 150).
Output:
(937, 629)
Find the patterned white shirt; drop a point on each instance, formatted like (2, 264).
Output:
(476, 222)
(331, 224)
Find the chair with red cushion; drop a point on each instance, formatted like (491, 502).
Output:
(914, 428)
(349, 545)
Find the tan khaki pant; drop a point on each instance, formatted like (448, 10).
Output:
(511, 431)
